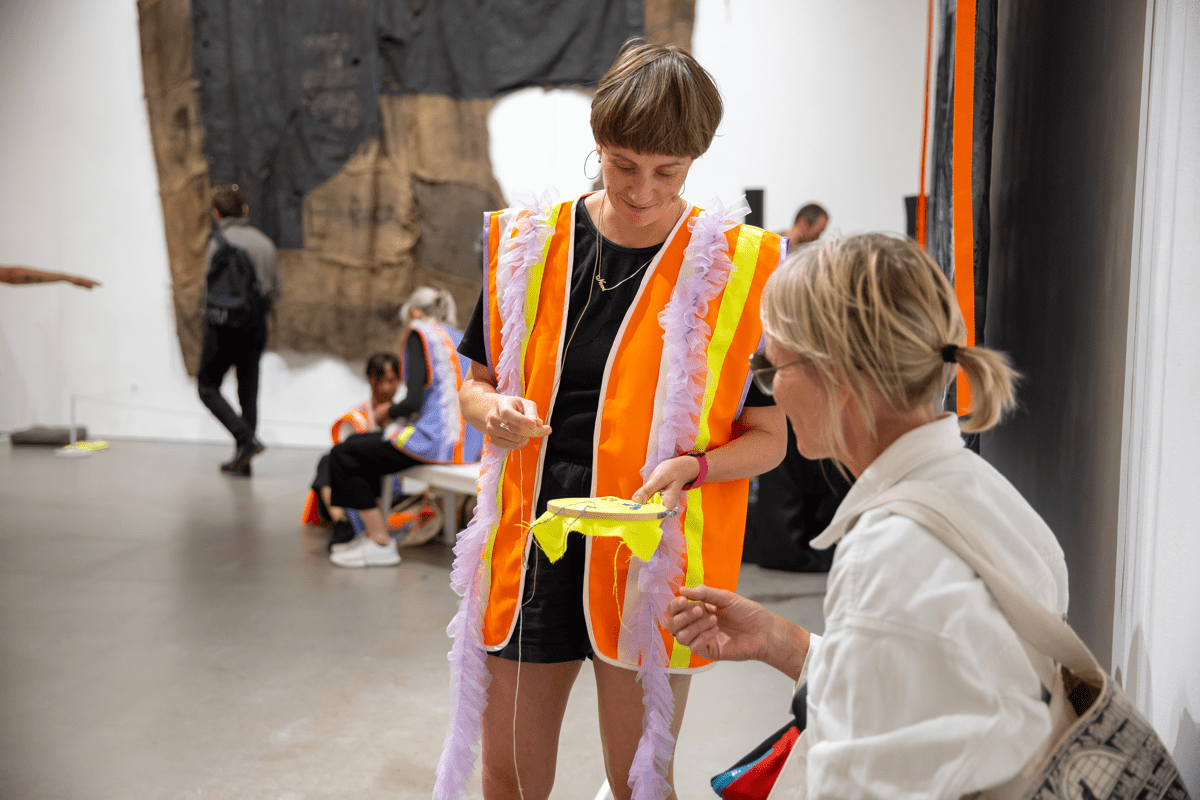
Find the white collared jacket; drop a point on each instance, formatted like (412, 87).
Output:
(919, 687)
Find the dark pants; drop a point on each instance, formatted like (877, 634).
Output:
(357, 467)
(324, 478)
(551, 627)
(241, 348)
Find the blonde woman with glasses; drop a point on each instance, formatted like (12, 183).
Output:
(919, 686)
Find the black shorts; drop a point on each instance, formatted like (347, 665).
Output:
(550, 627)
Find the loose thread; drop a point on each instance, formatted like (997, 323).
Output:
(521, 628)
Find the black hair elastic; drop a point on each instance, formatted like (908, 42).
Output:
(950, 353)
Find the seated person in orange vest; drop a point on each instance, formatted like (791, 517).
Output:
(433, 433)
(383, 376)
(625, 319)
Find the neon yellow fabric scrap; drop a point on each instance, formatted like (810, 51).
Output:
(641, 537)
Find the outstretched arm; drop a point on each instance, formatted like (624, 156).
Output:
(25, 275)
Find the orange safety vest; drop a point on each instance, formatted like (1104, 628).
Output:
(630, 412)
(362, 419)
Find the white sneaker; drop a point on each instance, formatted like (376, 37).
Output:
(364, 552)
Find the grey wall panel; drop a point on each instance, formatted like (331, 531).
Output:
(1068, 95)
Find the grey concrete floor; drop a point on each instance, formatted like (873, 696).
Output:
(167, 632)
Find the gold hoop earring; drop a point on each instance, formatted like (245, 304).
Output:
(599, 164)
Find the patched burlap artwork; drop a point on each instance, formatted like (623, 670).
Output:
(404, 211)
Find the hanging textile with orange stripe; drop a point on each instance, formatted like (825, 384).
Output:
(955, 224)
(964, 139)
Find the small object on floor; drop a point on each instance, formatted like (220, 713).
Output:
(98, 444)
(229, 468)
(341, 535)
(241, 457)
(364, 552)
(53, 436)
(426, 525)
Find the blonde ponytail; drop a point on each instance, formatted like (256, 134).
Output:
(993, 386)
(446, 310)
(875, 307)
(436, 304)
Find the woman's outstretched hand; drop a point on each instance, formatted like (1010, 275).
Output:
(719, 625)
(513, 421)
(722, 626)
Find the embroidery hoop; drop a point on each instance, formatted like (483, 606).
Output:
(601, 508)
(638, 526)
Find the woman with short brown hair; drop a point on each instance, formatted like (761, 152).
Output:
(610, 350)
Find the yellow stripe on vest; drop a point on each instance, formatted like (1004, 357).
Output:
(693, 533)
(404, 435)
(491, 542)
(533, 291)
(733, 305)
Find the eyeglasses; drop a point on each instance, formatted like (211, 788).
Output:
(764, 371)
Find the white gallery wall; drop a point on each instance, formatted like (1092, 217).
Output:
(823, 102)
(1156, 638)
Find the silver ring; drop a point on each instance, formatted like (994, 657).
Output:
(505, 426)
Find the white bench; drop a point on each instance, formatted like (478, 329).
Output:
(452, 479)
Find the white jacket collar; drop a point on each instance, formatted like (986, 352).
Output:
(930, 442)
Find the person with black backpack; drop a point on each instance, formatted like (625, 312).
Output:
(241, 286)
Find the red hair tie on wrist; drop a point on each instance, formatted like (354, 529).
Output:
(703, 461)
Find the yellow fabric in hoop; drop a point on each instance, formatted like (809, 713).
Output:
(637, 525)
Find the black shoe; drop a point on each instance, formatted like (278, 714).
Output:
(343, 532)
(229, 468)
(241, 458)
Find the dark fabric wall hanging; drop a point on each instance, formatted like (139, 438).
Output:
(287, 94)
(941, 211)
(1066, 201)
(946, 228)
(468, 49)
(327, 115)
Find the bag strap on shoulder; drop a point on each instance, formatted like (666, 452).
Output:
(944, 518)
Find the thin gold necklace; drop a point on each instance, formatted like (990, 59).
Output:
(599, 244)
(579, 319)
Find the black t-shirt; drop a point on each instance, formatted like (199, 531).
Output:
(574, 418)
(415, 377)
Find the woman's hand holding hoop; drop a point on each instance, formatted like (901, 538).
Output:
(669, 477)
(513, 421)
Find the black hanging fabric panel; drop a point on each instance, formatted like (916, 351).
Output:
(940, 243)
(289, 89)
(287, 94)
(469, 49)
(940, 240)
(941, 206)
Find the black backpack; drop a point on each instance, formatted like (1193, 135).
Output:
(233, 296)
